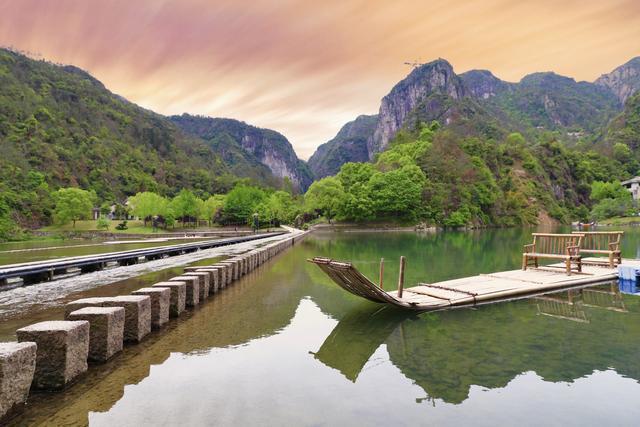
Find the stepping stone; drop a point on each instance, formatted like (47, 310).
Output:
(193, 289)
(204, 283)
(137, 315)
(160, 302)
(177, 299)
(61, 356)
(214, 282)
(223, 275)
(17, 367)
(106, 330)
(82, 303)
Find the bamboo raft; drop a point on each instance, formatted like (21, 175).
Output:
(468, 291)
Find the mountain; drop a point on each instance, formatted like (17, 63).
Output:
(550, 101)
(624, 81)
(483, 84)
(60, 127)
(625, 129)
(244, 146)
(478, 103)
(349, 145)
(428, 93)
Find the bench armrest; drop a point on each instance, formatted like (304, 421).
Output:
(573, 250)
(614, 246)
(529, 248)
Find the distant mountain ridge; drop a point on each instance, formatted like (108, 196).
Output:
(242, 145)
(478, 102)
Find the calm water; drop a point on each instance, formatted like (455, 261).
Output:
(285, 346)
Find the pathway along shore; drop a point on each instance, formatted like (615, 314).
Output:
(52, 355)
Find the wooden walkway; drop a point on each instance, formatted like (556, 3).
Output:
(469, 291)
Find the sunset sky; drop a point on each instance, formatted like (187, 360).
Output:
(304, 68)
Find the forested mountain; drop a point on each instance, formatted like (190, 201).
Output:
(61, 127)
(245, 147)
(478, 103)
(471, 149)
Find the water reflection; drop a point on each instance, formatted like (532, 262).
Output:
(285, 346)
(446, 353)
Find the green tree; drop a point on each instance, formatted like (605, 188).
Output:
(397, 193)
(213, 206)
(325, 196)
(241, 203)
(186, 206)
(72, 204)
(146, 205)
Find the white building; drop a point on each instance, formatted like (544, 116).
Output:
(633, 185)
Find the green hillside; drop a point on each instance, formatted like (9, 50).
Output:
(61, 127)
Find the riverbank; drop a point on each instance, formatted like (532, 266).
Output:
(631, 221)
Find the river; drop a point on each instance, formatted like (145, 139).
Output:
(286, 346)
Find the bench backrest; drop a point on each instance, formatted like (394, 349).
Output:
(556, 244)
(601, 240)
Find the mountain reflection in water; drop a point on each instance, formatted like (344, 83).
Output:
(445, 353)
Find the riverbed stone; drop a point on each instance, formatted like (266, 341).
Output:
(17, 367)
(82, 303)
(62, 351)
(193, 289)
(106, 330)
(137, 315)
(177, 298)
(160, 302)
(204, 283)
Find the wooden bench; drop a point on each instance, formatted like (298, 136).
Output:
(564, 247)
(602, 243)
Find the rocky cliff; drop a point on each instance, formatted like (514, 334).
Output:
(349, 145)
(478, 102)
(240, 144)
(624, 81)
(426, 91)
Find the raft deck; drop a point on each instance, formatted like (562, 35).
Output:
(469, 291)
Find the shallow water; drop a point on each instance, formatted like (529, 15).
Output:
(19, 252)
(285, 346)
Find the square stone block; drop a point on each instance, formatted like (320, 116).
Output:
(178, 297)
(160, 302)
(137, 315)
(63, 348)
(204, 283)
(223, 275)
(82, 303)
(17, 367)
(106, 330)
(214, 278)
(230, 266)
(193, 289)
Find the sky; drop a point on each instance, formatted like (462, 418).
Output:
(306, 67)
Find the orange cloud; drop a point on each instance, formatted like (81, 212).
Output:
(304, 68)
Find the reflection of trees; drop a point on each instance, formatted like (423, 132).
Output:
(447, 352)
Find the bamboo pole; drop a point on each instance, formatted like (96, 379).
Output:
(381, 272)
(401, 277)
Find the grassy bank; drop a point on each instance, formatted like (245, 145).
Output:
(133, 227)
(620, 221)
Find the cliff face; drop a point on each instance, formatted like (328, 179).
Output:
(624, 81)
(349, 145)
(252, 145)
(478, 102)
(482, 84)
(430, 86)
